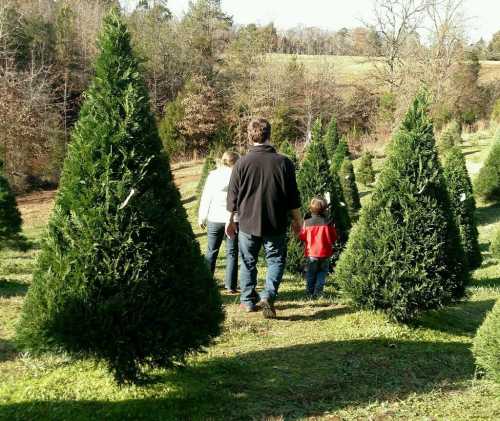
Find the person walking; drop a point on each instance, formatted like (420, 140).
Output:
(213, 216)
(263, 194)
(319, 235)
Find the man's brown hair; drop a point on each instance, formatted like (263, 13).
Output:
(259, 130)
(318, 206)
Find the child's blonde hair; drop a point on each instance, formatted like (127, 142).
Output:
(230, 158)
(318, 205)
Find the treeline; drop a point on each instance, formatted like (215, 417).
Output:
(207, 76)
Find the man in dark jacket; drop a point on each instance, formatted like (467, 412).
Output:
(262, 193)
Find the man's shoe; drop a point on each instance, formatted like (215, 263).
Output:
(267, 308)
(247, 308)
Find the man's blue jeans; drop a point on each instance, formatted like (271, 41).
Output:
(275, 252)
(317, 271)
(216, 234)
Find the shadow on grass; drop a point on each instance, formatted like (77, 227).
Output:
(486, 283)
(10, 288)
(18, 243)
(488, 215)
(292, 382)
(463, 318)
(188, 200)
(365, 193)
(318, 315)
(8, 351)
(471, 152)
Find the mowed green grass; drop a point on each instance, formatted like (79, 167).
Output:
(319, 360)
(352, 69)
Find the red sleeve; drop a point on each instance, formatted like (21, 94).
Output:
(302, 235)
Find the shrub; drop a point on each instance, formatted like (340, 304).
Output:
(463, 204)
(366, 174)
(404, 255)
(120, 276)
(487, 183)
(331, 138)
(450, 136)
(314, 179)
(350, 189)
(172, 139)
(486, 345)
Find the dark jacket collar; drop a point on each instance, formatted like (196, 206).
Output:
(263, 148)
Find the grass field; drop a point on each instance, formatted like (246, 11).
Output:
(350, 69)
(319, 360)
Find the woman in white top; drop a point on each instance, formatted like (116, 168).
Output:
(213, 215)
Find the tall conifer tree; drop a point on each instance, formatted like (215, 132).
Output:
(10, 218)
(350, 189)
(405, 254)
(463, 204)
(331, 137)
(315, 179)
(120, 276)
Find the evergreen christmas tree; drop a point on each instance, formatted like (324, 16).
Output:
(120, 276)
(366, 175)
(487, 183)
(350, 189)
(463, 204)
(10, 218)
(288, 150)
(495, 244)
(314, 179)
(284, 126)
(405, 255)
(208, 165)
(340, 154)
(331, 138)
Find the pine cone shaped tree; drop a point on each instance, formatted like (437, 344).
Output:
(120, 276)
(350, 189)
(288, 150)
(340, 154)
(404, 255)
(487, 183)
(463, 204)
(331, 138)
(314, 179)
(209, 164)
(10, 218)
(366, 174)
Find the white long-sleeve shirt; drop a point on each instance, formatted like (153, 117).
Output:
(213, 199)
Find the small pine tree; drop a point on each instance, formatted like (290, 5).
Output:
(486, 345)
(350, 189)
(487, 183)
(288, 150)
(450, 136)
(10, 218)
(315, 179)
(284, 126)
(366, 174)
(341, 152)
(209, 164)
(463, 204)
(331, 138)
(405, 255)
(120, 276)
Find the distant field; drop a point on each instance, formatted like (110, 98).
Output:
(354, 68)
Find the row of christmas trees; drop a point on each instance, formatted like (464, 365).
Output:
(417, 237)
(120, 276)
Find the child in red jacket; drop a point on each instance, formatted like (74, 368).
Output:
(319, 235)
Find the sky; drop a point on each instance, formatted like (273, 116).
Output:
(334, 14)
